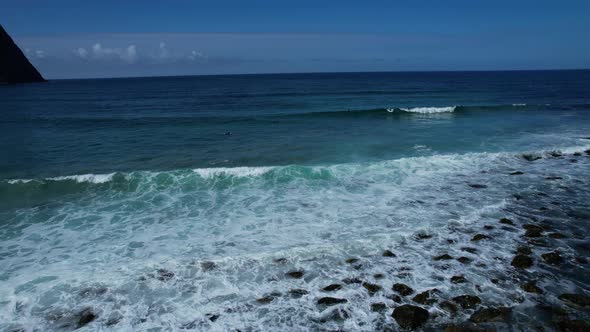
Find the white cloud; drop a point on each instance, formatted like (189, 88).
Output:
(81, 52)
(98, 52)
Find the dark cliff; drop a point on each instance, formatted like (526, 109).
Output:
(14, 66)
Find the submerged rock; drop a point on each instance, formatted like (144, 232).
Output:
(266, 299)
(378, 307)
(85, 317)
(425, 297)
(577, 299)
(556, 235)
(458, 279)
(506, 221)
(164, 275)
(553, 178)
(531, 287)
(464, 260)
(349, 281)
(351, 260)
(298, 292)
(295, 274)
(532, 230)
(467, 301)
(479, 237)
(388, 253)
(552, 258)
(530, 157)
(371, 288)
(484, 315)
(332, 287)
(477, 185)
(449, 307)
(410, 317)
(567, 325)
(330, 301)
(522, 261)
(402, 289)
(208, 265)
(517, 173)
(524, 250)
(442, 257)
(469, 250)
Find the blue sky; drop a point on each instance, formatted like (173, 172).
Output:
(80, 39)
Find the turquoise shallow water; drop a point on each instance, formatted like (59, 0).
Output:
(159, 203)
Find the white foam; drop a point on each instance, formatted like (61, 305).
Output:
(92, 178)
(17, 181)
(519, 104)
(235, 171)
(430, 110)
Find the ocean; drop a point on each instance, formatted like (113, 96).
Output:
(229, 203)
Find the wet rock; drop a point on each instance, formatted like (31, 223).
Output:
(517, 173)
(378, 307)
(530, 157)
(552, 258)
(330, 301)
(281, 260)
(556, 235)
(298, 292)
(349, 281)
(458, 279)
(295, 274)
(379, 276)
(477, 185)
(506, 221)
(394, 297)
(532, 230)
(425, 298)
(371, 288)
(577, 154)
(488, 227)
(531, 287)
(576, 325)
(538, 242)
(553, 178)
(522, 261)
(212, 317)
(517, 197)
(402, 289)
(464, 328)
(410, 317)
(469, 250)
(464, 260)
(208, 265)
(479, 237)
(524, 250)
(577, 299)
(86, 316)
(388, 253)
(442, 257)
(500, 314)
(164, 275)
(449, 307)
(351, 260)
(265, 300)
(467, 301)
(422, 236)
(332, 287)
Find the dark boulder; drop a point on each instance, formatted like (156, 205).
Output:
(467, 301)
(332, 287)
(388, 253)
(402, 289)
(442, 257)
(425, 297)
(371, 288)
(410, 317)
(464, 260)
(477, 185)
(378, 307)
(85, 317)
(298, 292)
(577, 299)
(458, 279)
(517, 173)
(295, 274)
(449, 307)
(531, 287)
(479, 237)
(506, 221)
(330, 301)
(485, 315)
(522, 261)
(552, 258)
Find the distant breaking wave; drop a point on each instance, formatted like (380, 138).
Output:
(424, 110)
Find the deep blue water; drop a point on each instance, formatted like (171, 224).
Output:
(96, 126)
(183, 203)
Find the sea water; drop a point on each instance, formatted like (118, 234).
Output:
(185, 203)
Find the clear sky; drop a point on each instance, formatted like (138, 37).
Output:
(71, 39)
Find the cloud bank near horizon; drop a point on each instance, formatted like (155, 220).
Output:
(121, 55)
